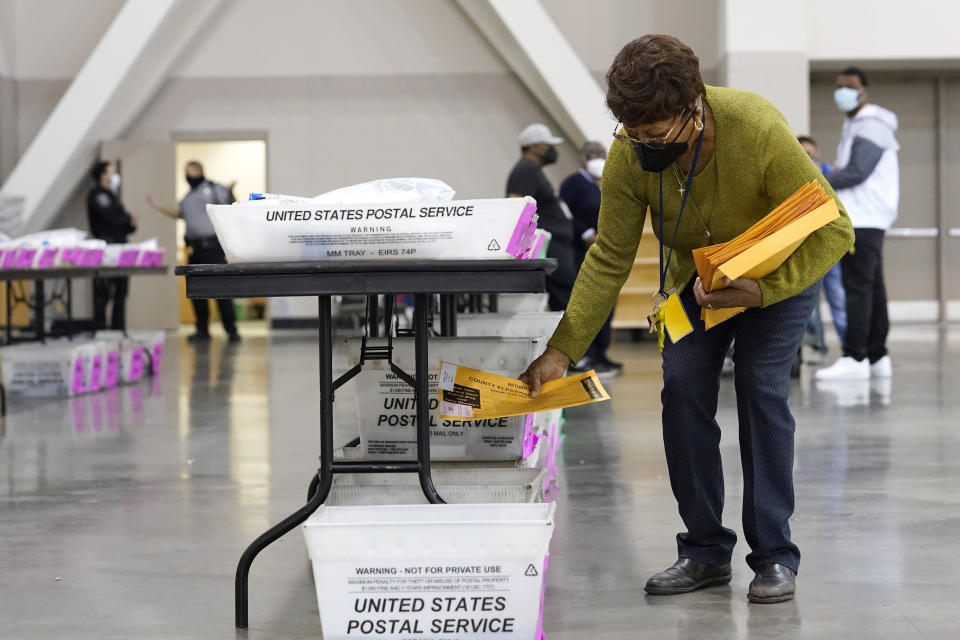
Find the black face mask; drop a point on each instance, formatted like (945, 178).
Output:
(195, 181)
(657, 159)
(549, 156)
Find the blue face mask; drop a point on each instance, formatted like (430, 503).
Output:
(847, 99)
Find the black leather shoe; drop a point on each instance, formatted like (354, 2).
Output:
(773, 583)
(688, 575)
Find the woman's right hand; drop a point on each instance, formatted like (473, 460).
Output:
(552, 364)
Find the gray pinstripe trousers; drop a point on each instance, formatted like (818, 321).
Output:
(766, 341)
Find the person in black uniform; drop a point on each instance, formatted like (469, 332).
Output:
(109, 221)
(538, 148)
(201, 239)
(581, 193)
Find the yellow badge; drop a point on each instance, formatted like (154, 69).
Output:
(675, 318)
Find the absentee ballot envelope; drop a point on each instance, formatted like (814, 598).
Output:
(761, 249)
(470, 394)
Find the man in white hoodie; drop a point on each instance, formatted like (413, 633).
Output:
(867, 181)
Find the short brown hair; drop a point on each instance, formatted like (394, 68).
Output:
(653, 78)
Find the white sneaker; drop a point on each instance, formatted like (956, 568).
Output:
(846, 368)
(882, 368)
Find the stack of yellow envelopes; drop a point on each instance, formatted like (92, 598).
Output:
(761, 249)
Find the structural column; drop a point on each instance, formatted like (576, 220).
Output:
(763, 48)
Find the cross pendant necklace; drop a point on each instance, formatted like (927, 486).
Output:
(706, 232)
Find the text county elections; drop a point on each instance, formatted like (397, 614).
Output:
(395, 213)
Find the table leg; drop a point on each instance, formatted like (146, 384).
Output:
(448, 314)
(69, 302)
(373, 311)
(9, 297)
(389, 305)
(39, 304)
(420, 311)
(325, 472)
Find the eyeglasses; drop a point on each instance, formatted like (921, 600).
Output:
(653, 143)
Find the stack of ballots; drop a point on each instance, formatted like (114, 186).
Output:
(394, 219)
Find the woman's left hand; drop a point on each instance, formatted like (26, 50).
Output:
(742, 292)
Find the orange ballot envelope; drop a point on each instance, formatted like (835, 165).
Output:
(470, 394)
(761, 249)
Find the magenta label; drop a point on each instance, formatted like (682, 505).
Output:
(151, 259)
(528, 238)
(136, 364)
(47, 256)
(10, 259)
(515, 246)
(530, 445)
(112, 372)
(72, 255)
(537, 247)
(92, 257)
(79, 380)
(128, 258)
(95, 371)
(530, 439)
(25, 258)
(156, 358)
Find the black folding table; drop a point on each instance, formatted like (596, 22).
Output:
(422, 278)
(40, 301)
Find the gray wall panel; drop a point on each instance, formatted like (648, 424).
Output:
(952, 203)
(328, 132)
(910, 265)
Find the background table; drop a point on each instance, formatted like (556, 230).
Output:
(40, 302)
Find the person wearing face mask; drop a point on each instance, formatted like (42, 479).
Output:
(708, 162)
(109, 221)
(538, 148)
(580, 191)
(833, 281)
(867, 179)
(202, 242)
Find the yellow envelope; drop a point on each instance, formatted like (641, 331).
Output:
(763, 248)
(470, 394)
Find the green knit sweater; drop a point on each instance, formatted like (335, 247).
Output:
(757, 163)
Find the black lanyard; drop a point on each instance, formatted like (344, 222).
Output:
(683, 203)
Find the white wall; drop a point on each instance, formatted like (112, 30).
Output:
(598, 29)
(887, 30)
(50, 39)
(54, 37)
(293, 38)
(7, 39)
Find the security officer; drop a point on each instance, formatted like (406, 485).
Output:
(202, 241)
(111, 222)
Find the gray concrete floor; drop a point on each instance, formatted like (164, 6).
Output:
(122, 515)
